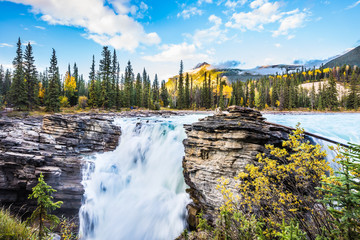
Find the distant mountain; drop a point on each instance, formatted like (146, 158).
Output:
(350, 58)
(230, 73)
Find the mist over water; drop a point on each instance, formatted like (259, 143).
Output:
(138, 190)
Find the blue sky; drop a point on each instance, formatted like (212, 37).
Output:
(158, 34)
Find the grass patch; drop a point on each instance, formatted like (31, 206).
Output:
(11, 228)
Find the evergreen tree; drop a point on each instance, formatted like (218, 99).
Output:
(105, 73)
(164, 95)
(117, 88)
(18, 90)
(138, 90)
(221, 99)
(92, 89)
(352, 99)
(155, 90)
(2, 79)
(146, 90)
(332, 99)
(181, 96)
(30, 74)
(42, 193)
(187, 91)
(114, 75)
(252, 94)
(52, 101)
(7, 85)
(341, 194)
(128, 88)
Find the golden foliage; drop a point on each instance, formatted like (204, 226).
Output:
(70, 83)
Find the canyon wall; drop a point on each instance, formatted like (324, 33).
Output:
(222, 145)
(52, 145)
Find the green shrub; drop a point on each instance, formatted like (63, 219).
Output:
(83, 102)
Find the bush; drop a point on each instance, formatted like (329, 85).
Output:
(64, 101)
(12, 228)
(83, 102)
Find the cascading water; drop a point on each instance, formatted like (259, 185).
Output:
(138, 190)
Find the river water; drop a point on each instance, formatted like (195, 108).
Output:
(138, 190)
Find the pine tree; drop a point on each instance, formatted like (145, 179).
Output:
(221, 98)
(114, 74)
(92, 91)
(42, 193)
(187, 91)
(31, 83)
(52, 101)
(252, 94)
(117, 88)
(332, 100)
(352, 99)
(7, 85)
(18, 90)
(2, 79)
(180, 103)
(138, 90)
(155, 90)
(128, 88)
(105, 72)
(164, 95)
(341, 194)
(146, 90)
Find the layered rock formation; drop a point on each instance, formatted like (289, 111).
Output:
(51, 145)
(222, 145)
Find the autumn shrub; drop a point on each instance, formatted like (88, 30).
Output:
(276, 194)
(64, 101)
(83, 102)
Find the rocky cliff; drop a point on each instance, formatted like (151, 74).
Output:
(222, 145)
(51, 145)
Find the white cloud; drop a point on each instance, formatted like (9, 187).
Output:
(204, 1)
(5, 45)
(278, 45)
(101, 23)
(353, 5)
(254, 20)
(234, 4)
(29, 41)
(264, 12)
(191, 11)
(290, 22)
(210, 35)
(177, 52)
(40, 27)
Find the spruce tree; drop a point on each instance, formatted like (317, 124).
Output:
(332, 100)
(138, 90)
(92, 88)
(128, 88)
(105, 73)
(146, 90)
(7, 85)
(114, 74)
(252, 94)
(164, 95)
(180, 103)
(43, 194)
(30, 74)
(187, 91)
(352, 99)
(155, 90)
(221, 97)
(117, 88)
(2, 79)
(52, 100)
(18, 89)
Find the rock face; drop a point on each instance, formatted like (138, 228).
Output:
(51, 145)
(222, 145)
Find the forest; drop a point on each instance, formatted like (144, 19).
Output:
(24, 88)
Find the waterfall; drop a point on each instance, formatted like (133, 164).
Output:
(138, 190)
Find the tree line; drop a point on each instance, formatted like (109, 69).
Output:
(25, 88)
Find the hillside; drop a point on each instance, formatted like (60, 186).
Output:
(350, 58)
